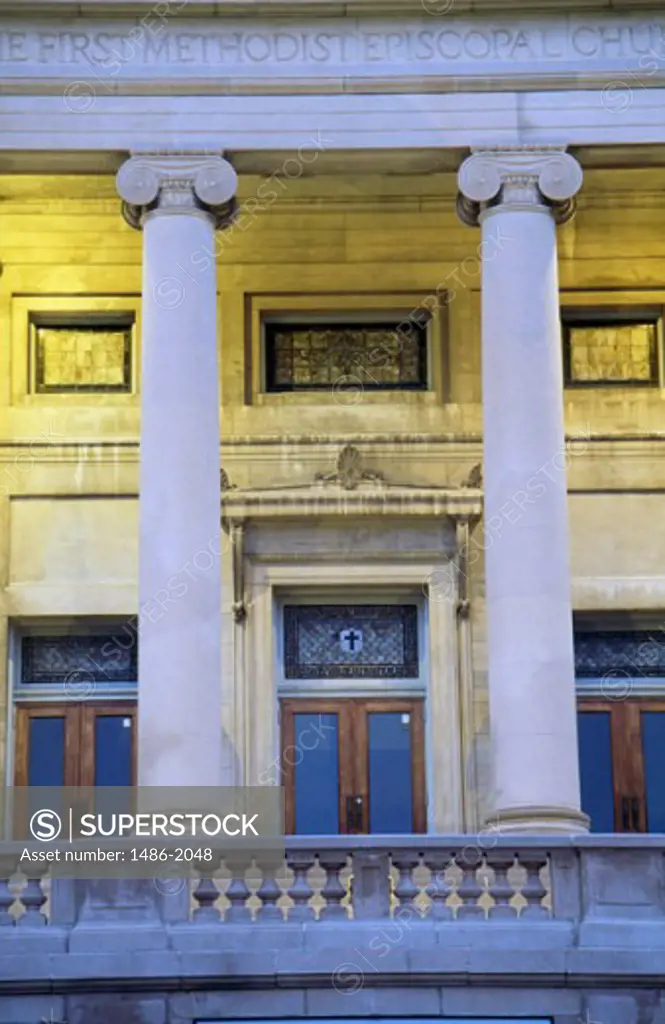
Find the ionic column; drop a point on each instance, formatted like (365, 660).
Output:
(178, 202)
(518, 196)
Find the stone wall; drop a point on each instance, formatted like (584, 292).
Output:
(68, 472)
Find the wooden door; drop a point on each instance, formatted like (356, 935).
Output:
(75, 744)
(353, 766)
(622, 764)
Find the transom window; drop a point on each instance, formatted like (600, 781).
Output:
(74, 665)
(324, 354)
(606, 347)
(363, 641)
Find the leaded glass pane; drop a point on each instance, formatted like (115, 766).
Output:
(351, 642)
(102, 658)
(611, 352)
(82, 356)
(320, 356)
(638, 652)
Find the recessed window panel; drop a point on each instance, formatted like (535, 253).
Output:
(323, 356)
(611, 349)
(389, 768)
(653, 750)
(596, 778)
(46, 751)
(81, 354)
(113, 750)
(316, 773)
(351, 641)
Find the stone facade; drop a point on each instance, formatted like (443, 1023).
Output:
(326, 149)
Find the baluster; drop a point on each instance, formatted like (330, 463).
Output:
(300, 861)
(470, 890)
(33, 899)
(333, 892)
(238, 892)
(206, 895)
(406, 889)
(533, 889)
(7, 869)
(269, 892)
(439, 888)
(501, 890)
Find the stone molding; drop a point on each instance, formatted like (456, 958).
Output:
(173, 183)
(519, 178)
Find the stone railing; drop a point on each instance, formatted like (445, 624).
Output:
(351, 879)
(568, 929)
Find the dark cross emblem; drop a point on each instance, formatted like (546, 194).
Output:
(351, 641)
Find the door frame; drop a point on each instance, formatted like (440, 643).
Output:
(448, 746)
(353, 751)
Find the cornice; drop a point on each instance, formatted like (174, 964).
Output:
(320, 8)
(467, 446)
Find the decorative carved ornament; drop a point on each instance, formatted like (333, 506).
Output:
(176, 184)
(474, 478)
(349, 490)
(349, 471)
(520, 179)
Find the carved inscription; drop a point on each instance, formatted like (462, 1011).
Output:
(432, 43)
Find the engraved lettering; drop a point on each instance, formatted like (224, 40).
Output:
(230, 47)
(321, 49)
(17, 45)
(185, 47)
(395, 45)
(257, 48)
(477, 44)
(427, 42)
(286, 47)
(48, 43)
(549, 49)
(449, 45)
(585, 41)
(153, 42)
(502, 41)
(612, 40)
(373, 48)
(156, 50)
(522, 41)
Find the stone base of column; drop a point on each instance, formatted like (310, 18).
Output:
(538, 820)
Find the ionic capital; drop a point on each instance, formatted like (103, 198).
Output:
(519, 178)
(175, 183)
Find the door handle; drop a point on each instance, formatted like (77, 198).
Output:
(626, 814)
(354, 813)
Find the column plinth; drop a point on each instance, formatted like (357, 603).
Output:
(178, 202)
(517, 197)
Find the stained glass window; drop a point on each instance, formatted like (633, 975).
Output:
(82, 355)
(99, 658)
(321, 356)
(351, 641)
(604, 349)
(632, 653)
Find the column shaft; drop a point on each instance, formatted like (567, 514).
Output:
(179, 565)
(532, 694)
(529, 616)
(181, 741)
